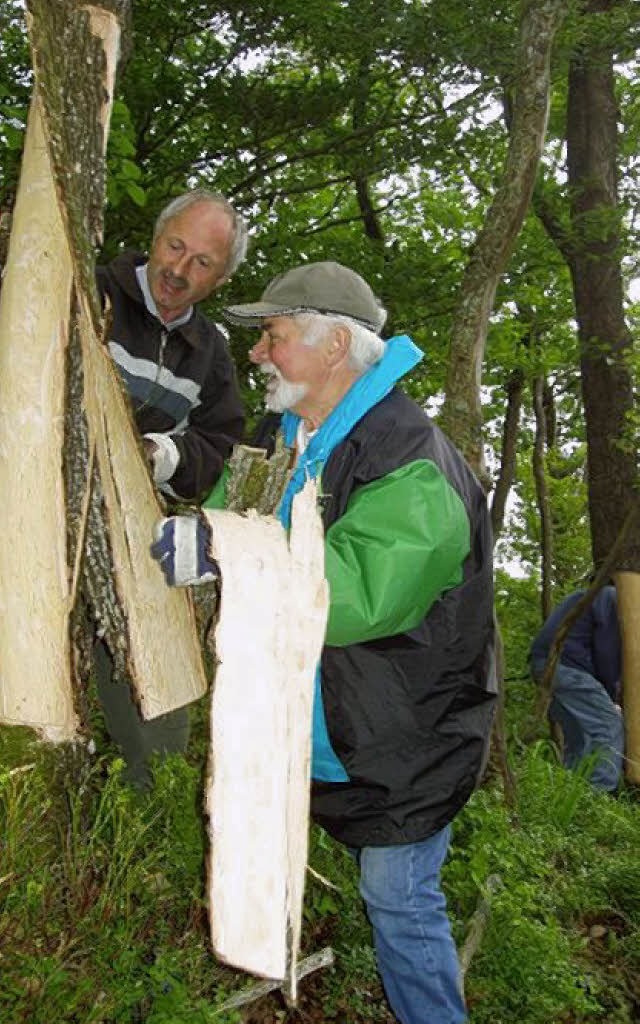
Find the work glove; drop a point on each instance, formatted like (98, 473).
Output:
(162, 455)
(181, 547)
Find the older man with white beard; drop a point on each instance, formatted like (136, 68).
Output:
(405, 690)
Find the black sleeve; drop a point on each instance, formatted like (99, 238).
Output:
(213, 429)
(264, 436)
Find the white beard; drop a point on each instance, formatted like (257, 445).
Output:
(281, 394)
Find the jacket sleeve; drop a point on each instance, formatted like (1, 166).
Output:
(398, 546)
(607, 646)
(214, 426)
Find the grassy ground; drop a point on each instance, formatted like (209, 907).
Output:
(102, 917)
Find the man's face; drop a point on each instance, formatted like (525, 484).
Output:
(188, 258)
(295, 370)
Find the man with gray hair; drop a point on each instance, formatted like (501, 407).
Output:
(180, 377)
(405, 690)
(174, 361)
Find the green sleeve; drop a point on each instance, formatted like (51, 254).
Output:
(399, 545)
(217, 496)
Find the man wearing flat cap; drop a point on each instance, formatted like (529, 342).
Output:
(405, 690)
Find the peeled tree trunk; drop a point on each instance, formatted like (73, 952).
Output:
(78, 505)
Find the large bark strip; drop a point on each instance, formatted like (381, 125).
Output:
(35, 672)
(268, 642)
(462, 412)
(628, 588)
(164, 658)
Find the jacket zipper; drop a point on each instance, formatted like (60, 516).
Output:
(164, 337)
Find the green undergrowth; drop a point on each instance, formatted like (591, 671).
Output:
(103, 916)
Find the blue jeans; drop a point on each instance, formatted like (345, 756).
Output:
(590, 722)
(416, 954)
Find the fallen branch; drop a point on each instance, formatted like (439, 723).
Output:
(320, 878)
(478, 923)
(323, 958)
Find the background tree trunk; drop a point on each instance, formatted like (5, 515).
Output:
(542, 494)
(462, 412)
(605, 341)
(510, 429)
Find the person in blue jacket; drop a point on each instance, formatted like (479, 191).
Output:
(405, 691)
(586, 684)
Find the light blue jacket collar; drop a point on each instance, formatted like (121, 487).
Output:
(400, 356)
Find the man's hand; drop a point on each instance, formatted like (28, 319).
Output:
(181, 546)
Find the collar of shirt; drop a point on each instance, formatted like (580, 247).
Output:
(303, 436)
(141, 274)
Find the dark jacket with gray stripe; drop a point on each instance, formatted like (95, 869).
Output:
(181, 382)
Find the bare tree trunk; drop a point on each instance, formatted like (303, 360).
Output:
(542, 494)
(462, 413)
(506, 476)
(605, 340)
(461, 416)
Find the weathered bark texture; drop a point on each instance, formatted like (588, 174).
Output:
(462, 413)
(81, 505)
(164, 659)
(268, 642)
(605, 340)
(256, 482)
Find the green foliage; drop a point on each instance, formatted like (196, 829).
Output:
(559, 861)
(302, 113)
(123, 174)
(102, 916)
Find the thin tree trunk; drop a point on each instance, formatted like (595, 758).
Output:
(462, 413)
(511, 426)
(542, 495)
